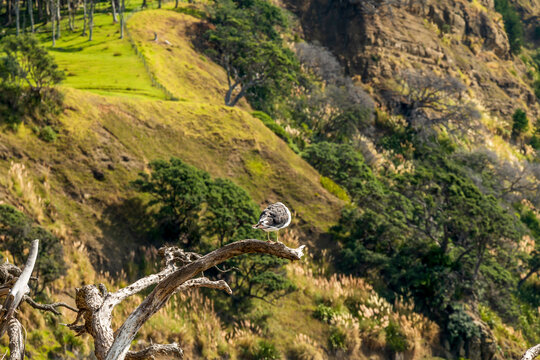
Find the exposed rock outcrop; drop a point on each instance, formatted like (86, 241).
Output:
(460, 38)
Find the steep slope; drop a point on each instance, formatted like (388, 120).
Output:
(106, 140)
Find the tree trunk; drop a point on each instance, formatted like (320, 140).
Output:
(114, 15)
(57, 19)
(9, 10)
(30, 5)
(159, 4)
(71, 18)
(176, 4)
(143, 4)
(95, 304)
(53, 19)
(84, 18)
(91, 20)
(40, 4)
(17, 17)
(122, 19)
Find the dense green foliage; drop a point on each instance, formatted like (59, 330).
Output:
(189, 201)
(180, 190)
(520, 122)
(343, 164)
(17, 232)
(512, 24)
(231, 211)
(245, 41)
(27, 76)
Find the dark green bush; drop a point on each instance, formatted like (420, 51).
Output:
(461, 326)
(520, 122)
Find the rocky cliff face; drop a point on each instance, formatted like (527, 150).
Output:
(464, 39)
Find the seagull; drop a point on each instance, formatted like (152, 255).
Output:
(273, 218)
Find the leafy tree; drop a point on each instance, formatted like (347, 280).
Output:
(434, 235)
(246, 43)
(345, 165)
(231, 211)
(26, 62)
(179, 190)
(520, 122)
(27, 76)
(262, 277)
(17, 232)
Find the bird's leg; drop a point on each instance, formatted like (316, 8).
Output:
(268, 236)
(277, 236)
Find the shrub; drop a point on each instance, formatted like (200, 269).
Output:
(324, 313)
(303, 351)
(262, 350)
(461, 326)
(520, 122)
(337, 339)
(535, 142)
(395, 338)
(47, 134)
(512, 24)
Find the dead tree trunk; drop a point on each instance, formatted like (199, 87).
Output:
(95, 304)
(15, 288)
(532, 353)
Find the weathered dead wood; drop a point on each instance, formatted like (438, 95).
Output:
(48, 307)
(19, 289)
(16, 340)
(169, 351)
(14, 286)
(95, 304)
(532, 353)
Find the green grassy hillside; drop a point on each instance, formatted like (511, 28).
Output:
(113, 124)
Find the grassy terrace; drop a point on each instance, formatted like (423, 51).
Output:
(107, 65)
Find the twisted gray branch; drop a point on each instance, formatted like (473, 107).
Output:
(532, 353)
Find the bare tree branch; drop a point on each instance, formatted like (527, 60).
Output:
(204, 282)
(165, 289)
(95, 304)
(48, 307)
(169, 351)
(19, 290)
(532, 353)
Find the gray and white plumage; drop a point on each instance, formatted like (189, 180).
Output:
(274, 217)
